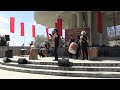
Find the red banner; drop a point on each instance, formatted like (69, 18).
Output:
(22, 28)
(33, 31)
(99, 21)
(47, 33)
(56, 26)
(12, 22)
(59, 26)
(75, 33)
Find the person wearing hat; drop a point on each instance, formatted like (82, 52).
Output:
(84, 45)
(55, 40)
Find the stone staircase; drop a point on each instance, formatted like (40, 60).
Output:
(79, 69)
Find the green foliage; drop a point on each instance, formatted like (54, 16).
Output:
(3, 41)
(40, 39)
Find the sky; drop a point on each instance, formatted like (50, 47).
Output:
(21, 16)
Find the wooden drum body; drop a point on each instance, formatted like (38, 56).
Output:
(33, 54)
(92, 53)
(73, 48)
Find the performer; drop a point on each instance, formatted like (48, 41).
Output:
(70, 41)
(84, 45)
(31, 44)
(55, 40)
(78, 43)
(51, 35)
(47, 45)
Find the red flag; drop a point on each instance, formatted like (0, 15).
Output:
(33, 31)
(99, 21)
(12, 22)
(59, 26)
(114, 21)
(47, 33)
(56, 26)
(22, 28)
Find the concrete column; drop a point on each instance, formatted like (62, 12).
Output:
(80, 20)
(74, 21)
(70, 21)
(100, 39)
(77, 20)
(83, 19)
(89, 23)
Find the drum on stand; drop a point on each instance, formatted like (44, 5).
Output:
(33, 54)
(73, 48)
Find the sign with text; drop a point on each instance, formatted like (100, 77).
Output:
(75, 33)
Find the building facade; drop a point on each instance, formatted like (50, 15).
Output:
(80, 19)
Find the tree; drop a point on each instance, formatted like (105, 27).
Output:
(40, 39)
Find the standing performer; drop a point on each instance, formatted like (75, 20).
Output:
(78, 43)
(70, 41)
(84, 45)
(55, 40)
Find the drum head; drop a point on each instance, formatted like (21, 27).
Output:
(72, 51)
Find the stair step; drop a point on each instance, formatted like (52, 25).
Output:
(99, 74)
(56, 67)
(91, 63)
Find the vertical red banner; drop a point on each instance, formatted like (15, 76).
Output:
(12, 24)
(114, 20)
(33, 31)
(59, 22)
(99, 21)
(22, 28)
(56, 26)
(47, 33)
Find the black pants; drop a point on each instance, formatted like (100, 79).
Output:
(85, 51)
(55, 53)
(77, 53)
(70, 55)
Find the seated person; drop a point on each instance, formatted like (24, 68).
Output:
(47, 46)
(41, 51)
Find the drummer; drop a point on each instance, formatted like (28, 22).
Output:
(84, 44)
(78, 43)
(70, 41)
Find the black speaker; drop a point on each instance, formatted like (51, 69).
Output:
(64, 62)
(7, 37)
(9, 54)
(22, 61)
(6, 59)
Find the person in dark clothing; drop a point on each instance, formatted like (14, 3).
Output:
(70, 41)
(78, 43)
(56, 38)
(84, 45)
(47, 46)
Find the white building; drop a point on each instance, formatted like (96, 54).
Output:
(80, 19)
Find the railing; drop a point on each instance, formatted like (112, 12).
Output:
(16, 50)
(102, 51)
